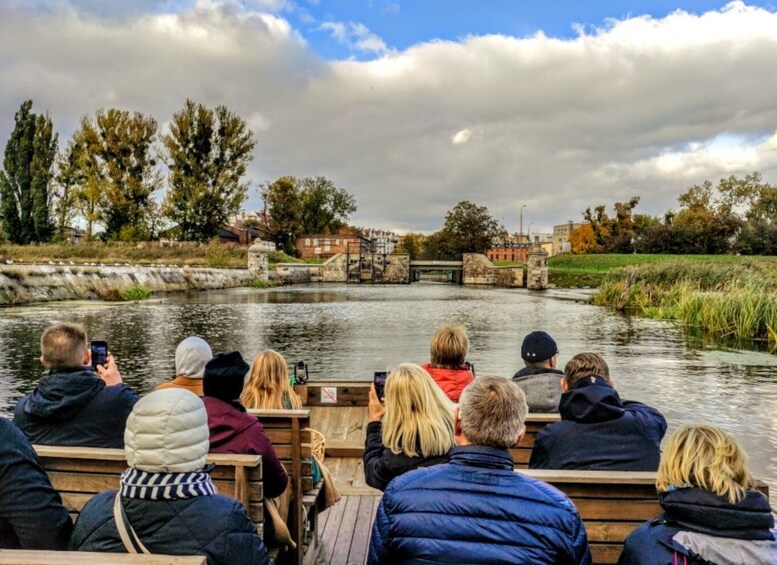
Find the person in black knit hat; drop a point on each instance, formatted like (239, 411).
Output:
(539, 379)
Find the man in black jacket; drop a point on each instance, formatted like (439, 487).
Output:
(598, 430)
(31, 511)
(74, 405)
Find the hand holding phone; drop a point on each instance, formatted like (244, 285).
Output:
(379, 379)
(99, 353)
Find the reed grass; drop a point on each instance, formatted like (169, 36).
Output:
(736, 300)
(135, 292)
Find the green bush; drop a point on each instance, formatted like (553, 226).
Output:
(135, 292)
(258, 283)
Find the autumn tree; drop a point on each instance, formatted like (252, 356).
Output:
(582, 239)
(468, 228)
(26, 177)
(312, 205)
(117, 172)
(207, 153)
(412, 244)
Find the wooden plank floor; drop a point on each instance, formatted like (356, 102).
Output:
(345, 530)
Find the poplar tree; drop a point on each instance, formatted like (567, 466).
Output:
(116, 172)
(26, 177)
(207, 153)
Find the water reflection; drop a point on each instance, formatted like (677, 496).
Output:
(347, 332)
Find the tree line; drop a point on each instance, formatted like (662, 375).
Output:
(112, 166)
(739, 215)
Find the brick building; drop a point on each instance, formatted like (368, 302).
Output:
(513, 252)
(324, 246)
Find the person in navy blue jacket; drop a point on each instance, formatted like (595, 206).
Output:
(31, 511)
(712, 514)
(74, 404)
(476, 508)
(598, 430)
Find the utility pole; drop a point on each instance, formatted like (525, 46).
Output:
(520, 235)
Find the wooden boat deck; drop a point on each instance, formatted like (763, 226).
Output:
(345, 530)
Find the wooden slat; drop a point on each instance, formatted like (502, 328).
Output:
(345, 534)
(267, 414)
(360, 541)
(27, 557)
(554, 476)
(106, 454)
(298, 516)
(605, 554)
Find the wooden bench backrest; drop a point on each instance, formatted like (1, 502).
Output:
(288, 432)
(28, 557)
(78, 473)
(534, 423)
(612, 504)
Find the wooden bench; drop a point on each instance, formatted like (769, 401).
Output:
(288, 432)
(612, 504)
(78, 473)
(27, 557)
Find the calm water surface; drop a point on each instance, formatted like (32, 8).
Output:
(347, 332)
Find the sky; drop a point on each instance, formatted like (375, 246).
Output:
(548, 107)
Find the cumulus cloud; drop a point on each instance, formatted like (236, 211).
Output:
(639, 106)
(356, 36)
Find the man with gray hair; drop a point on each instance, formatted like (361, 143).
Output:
(476, 508)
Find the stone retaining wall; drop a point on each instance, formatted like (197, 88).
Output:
(23, 284)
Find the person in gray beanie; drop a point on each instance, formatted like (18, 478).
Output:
(539, 379)
(167, 502)
(191, 356)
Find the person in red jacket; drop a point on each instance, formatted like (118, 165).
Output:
(231, 429)
(448, 366)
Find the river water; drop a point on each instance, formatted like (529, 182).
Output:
(347, 332)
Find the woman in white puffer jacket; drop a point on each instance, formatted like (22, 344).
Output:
(166, 497)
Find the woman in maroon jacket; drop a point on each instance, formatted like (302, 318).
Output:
(231, 429)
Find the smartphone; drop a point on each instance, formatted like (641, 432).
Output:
(99, 353)
(379, 379)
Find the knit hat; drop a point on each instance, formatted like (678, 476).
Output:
(224, 376)
(191, 356)
(167, 432)
(538, 347)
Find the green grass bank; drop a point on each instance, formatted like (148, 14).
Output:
(729, 297)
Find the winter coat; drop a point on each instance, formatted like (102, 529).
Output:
(542, 387)
(31, 511)
(186, 383)
(214, 526)
(599, 431)
(476, 509)
(698, 526)
(75, 408)
(451, 381)
(233, 431)
(381, 464)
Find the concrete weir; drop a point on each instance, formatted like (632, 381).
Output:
(23, 284)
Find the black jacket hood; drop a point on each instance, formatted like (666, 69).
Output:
(592, 400)
(61, 394)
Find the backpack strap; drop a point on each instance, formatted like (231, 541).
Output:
(127, 534)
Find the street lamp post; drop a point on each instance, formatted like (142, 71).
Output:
(520, 235)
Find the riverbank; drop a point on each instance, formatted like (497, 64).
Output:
(25, 284)
(731, 299)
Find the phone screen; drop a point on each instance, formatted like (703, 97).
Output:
(380, 383)
(99, 353)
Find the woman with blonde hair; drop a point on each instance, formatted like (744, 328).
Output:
(413, 429)
(448, 360)
(712, 514)
(268, 385)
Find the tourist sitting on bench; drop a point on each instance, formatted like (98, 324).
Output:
(414, 428)
(231, 429)
(477, 509)
(31, 511)
(448, 364)
(711, 512)
(539, 380)
(167, 502)
(598, 430)
(191, 355)
(75, 404)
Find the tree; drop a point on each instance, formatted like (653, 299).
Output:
(117, 172)
(468, 229)
(582, 239)
(68, 180)
(312, 205)
(411, 243)
(26, 177)
(207, 154)
(705, 223)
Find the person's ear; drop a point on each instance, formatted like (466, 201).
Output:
(554, 361)
(87, 357)
(456, 422)
(520, 436)
(43, 362)
(564, 385)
